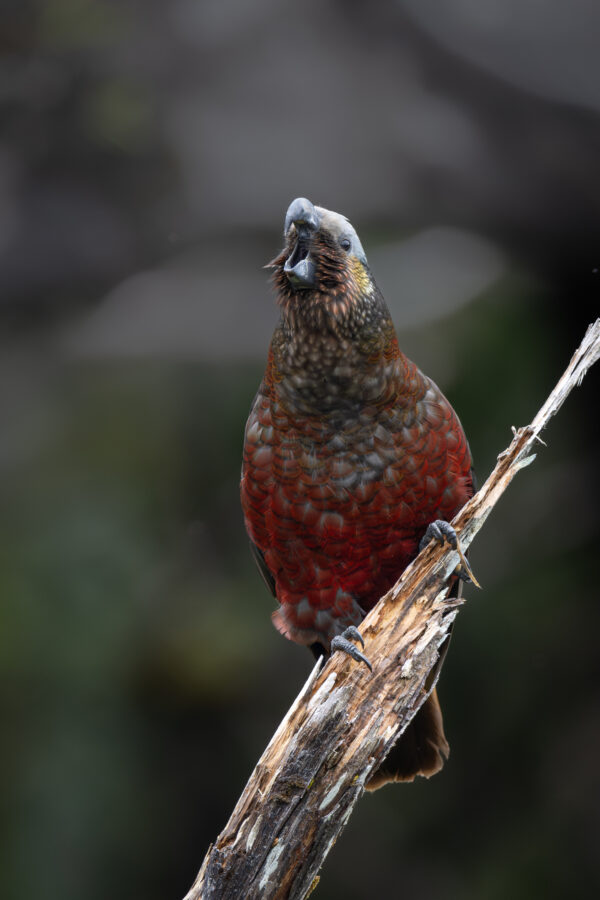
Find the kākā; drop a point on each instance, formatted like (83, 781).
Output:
(350, 454)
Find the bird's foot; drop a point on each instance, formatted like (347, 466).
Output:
(343, 642)
(441, 531)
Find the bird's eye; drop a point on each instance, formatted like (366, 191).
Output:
(345, 244)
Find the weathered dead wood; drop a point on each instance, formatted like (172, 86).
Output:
(345, 720)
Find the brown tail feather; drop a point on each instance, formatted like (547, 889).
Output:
(421, 750)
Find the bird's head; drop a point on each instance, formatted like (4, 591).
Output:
(323, 264)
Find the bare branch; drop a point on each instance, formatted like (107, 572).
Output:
(345, 720)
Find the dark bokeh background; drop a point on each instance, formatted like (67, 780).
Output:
(148, 152)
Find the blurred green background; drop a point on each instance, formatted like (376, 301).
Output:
(148, 152)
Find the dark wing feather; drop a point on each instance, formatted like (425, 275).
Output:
(264, 570)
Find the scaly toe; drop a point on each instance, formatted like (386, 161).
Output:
(342, 643)
(352, 633)
(439, 531)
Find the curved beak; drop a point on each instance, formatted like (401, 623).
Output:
(299, 268)
(301, 213)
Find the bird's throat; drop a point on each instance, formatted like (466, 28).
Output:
(322, 370)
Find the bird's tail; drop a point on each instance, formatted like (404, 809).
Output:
(421, 750)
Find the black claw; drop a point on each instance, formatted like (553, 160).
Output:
(341, 642)
(352, 632)
(439, 531)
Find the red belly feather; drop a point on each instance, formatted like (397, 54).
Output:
(338, 514)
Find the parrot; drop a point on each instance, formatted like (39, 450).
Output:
(353, 460)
